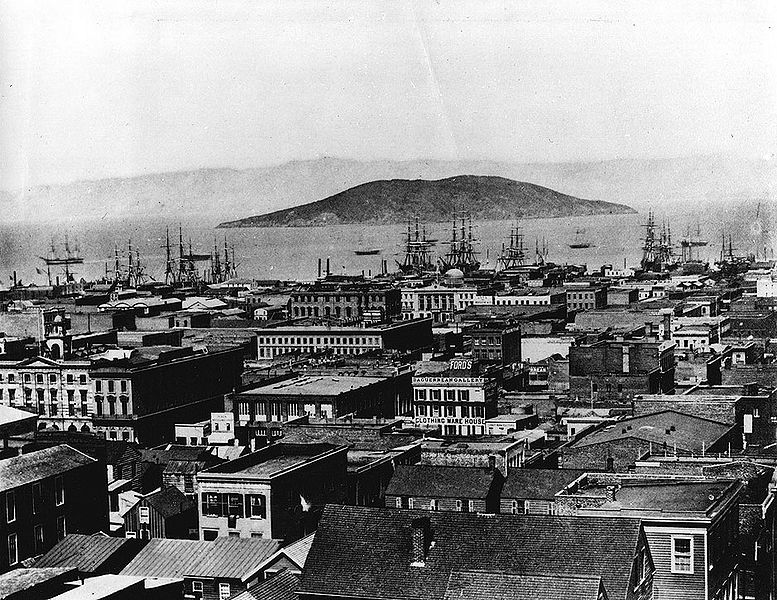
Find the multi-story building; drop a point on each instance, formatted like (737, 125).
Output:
(615, 369)
(692, 527)
(527, 297)
(59, 391)
(496, 343)
(346, 301)
(277, 492)
(299, 338)
(458, 400)
(586, 297)
(140, 395)
(46, 494)
(437, 302)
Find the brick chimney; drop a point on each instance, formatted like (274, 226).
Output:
(422, 534)
(609, 493)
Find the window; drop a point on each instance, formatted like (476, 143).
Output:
(144, 514)
(10, 507)
(197, 587)
(235, 505)
(39, 378)
(256, 506)
(209, 534)
(38, 539)
(682, 554)
(518, 507)
(471, 505)
(398, 502)
(61, 529)
(211, 504)
(59, 490)
(410, 503)
(432, 504)
(463, 395)
(111, 385)
(37, 498)
(224, 591)
(69, 378)
(13, 550)
(82, 379)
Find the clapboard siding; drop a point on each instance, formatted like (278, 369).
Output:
(676, 586)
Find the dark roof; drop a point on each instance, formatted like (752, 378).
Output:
(690, 433)
(20, 583)
(87, 553)
(26, 468)
(115, 450)
(226, 557)
(478, 585)
(366, 552)
(169, 501)
(441, 482)
(185, 467)
(537, 484)
(282, 586)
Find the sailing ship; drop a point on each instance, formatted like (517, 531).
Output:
(513, 255)
(65, 259)
(417, 250)
(580, 241)
(461, 254)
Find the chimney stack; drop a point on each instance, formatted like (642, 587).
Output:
(421, 540)
(610, 493)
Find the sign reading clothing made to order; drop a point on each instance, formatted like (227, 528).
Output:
(450, 421)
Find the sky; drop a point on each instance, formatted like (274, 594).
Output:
(94, 89)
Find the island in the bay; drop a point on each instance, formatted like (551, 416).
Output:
(394, 200)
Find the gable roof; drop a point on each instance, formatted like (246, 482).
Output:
(87, 553)
(282, 586)
(230, 558)
(34, 466)
(538, 484)
(367, 552)
(440, 482)
(479, 585)
(296, 552)
(689, 433)
(169, 501)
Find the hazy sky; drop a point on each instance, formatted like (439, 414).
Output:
(101, 88)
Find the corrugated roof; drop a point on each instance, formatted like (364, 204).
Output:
(87, 553)
(478, 585)
(234, 558)
(26, 468)
(440, 482)
(282, 586)
(367, 552)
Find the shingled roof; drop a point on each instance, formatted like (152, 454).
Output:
(441, 482)
(367, 552)
(24, 469)
(282, 586)
(478, 585)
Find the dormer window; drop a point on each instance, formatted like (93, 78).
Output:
(682, 554)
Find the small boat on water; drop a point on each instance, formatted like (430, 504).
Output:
(580, 241)
(367, 251)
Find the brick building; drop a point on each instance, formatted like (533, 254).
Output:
(614, 370)
(346, 301)
(495, 343)
(586, 298)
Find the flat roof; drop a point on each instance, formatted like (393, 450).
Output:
(315, 385)
(272, 460)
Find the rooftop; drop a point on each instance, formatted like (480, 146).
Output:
(273, 460)
(87, 553)
(538, 484)
(441, 482)
(480, 585)
(27, 468)
(316, 385)
(669, 427)
(367, 552)
(18, 583)
(282, 586)
(225, 557)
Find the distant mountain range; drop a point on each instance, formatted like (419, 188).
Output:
(396, 200)
(229, 194)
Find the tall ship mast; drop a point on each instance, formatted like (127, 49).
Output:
(657, 248)
(65, 259)
(417, 252)
(461, 254)
(514, 255)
